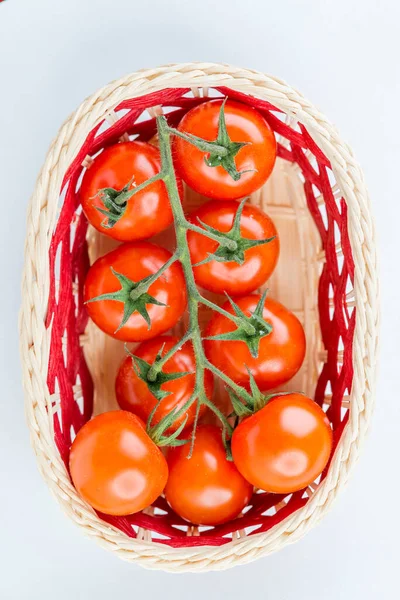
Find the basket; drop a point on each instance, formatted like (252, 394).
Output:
(326, 275)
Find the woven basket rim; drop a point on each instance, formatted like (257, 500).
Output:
(34, 342)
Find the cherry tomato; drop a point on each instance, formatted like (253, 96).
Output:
(205, 489)
(133, 393)
(284, 446)
(135, 261)
(280, 353)
(244, 124)
(232, 277)
(146, 213)
(115, 466)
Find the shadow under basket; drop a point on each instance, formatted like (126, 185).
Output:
(326, 275)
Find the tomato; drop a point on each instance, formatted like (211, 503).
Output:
(205, 489)
(133, 393)
(280, 353)
(115, 466)
(244, 124)
(135, 261)
(284, 446)
(148, 212)
(230, 276)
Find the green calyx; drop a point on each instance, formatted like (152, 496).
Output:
(143, 369)
(116, 201)
(222, 151)
(231, 252)
(133, 295)
(113, 209)
(250, 330)
(245, 405)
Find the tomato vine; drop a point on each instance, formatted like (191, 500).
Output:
(232, 245)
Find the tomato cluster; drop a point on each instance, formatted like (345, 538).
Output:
(278, 442)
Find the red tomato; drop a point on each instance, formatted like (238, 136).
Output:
(231, 277)
(115, 466)
(244, 124)
(135, 261)
(285, 446)
(280, 353)
(133, 393)
(205, 489)
(146, 213)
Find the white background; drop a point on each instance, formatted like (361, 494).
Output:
(344, 56)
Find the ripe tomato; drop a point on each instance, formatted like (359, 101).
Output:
(146, 213)
(135, 261)
(115, 466)
(205, 489)
(284, 446)
(280, 353)
(244, 124)
(230, 276)
(133, 393)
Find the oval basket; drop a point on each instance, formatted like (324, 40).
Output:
(326, 275)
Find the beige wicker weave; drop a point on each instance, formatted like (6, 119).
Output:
(284, 199)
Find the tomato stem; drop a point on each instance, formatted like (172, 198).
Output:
(224, 242)
(144, 285)
(126, 195)
(158, 364)
(200, 143)
(157, 432)
(241, 391)
(225, 423)
(248, 327)
(115, 200)
(195, 299)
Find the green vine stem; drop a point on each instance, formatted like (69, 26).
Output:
(248, 327)
(158, 365)
(201, 144)
(135, 295)
(230, 244)
(181, 227)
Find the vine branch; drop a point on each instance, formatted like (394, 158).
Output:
(135, 296)
(195, 299)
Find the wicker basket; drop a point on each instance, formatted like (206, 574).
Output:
(326, 275)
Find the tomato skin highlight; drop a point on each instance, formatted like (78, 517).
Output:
(115, 466)
(280, 354)
(231, 277)
(284, 446)
(148, 212)
(244, 124)
(135, 260)
(134, 395)
(205, 489)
